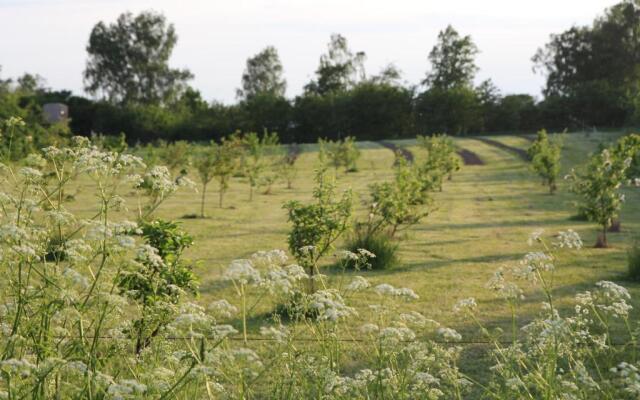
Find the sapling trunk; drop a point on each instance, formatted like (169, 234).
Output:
(204, 192)
(602, 239)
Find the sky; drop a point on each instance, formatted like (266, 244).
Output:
(215, 37)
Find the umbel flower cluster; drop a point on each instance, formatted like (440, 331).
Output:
(92, 306)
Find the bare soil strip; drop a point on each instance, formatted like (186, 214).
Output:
(519, 152)
(469, 157)
(393, 147)
(294, 151)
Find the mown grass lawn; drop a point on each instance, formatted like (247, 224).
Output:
(481, 222)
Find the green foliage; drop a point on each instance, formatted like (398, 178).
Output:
(109, 142)
(545, 156)
(452, 61)
(339, 68)
(263, 75)
(177, 155)
(286, 167)
(158, 279)
(341, 153)
(378, 243)
(397, 203)
(129, 61)
(628, 147)
(316, 226)
(456, 111)
(598, 187)
(19, 138)
(219, 161)
(591, 70)
(257, 158)
(633, 262)
(441, 161)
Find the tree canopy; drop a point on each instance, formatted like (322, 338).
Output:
(128, 61)
(452, 61)
(263, 75)
(339, 68)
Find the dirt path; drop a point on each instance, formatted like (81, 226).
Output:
(520, 152)
(469, 157)
(294, 151)
(393, 147)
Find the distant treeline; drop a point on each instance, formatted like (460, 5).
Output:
(593, 80)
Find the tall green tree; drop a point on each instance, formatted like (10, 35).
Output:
(452, 61)
(595, 67)
(340, 68)
(263, 75)
(128, 61)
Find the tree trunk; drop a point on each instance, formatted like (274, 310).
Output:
(602, 243)
(204, 193)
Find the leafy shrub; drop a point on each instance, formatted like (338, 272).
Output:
(378, 243)
(256, 159)
(441, 161)
(545, 159)
(598, 186)
(315, 227)
(341, 153)
(633, 260)
(402, 202)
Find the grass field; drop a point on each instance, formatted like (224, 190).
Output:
(482, 222)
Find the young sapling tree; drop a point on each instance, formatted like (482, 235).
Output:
(598, 187)
(545, 154)
(316, 226)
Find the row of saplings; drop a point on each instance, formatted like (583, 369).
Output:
(598, 183)
(259, 159)
(393, 206)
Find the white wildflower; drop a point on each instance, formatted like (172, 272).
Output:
(222, 309)
(243, 272)
(330, 305)
(465, 305)
(357, 284)
(569, 239)
(369, 328)
(449, 334)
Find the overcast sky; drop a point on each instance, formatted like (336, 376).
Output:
(215, 37)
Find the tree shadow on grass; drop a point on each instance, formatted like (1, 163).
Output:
(493, 224)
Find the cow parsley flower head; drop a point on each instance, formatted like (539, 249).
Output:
(347, 255)
(465, 305)
(357, 284)
(449, 334)
(394, 335)
(279, 333)
(264, 259)
(369, 328)
(222, 309)
(330, 306)
(569, 239)
(384, 289)
(366, 253)
(149, 255)
(243, 272)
